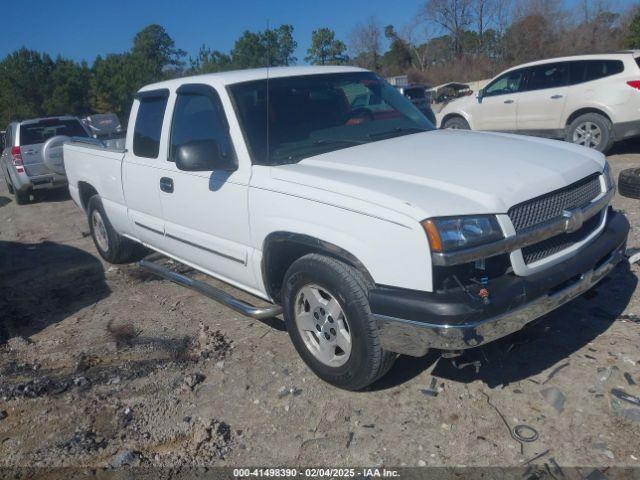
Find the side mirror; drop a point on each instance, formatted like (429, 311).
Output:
(480, 95)
(203, 156)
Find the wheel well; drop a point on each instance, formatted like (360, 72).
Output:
(582, 111)
(86, 192)
(281, 249)
(449, 116)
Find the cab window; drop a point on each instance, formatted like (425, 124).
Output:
(510, 82)
(548, 75)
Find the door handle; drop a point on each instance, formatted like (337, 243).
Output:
(166, 184)
(556, 97)
(508, 101)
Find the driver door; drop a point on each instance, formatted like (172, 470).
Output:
(497, 109)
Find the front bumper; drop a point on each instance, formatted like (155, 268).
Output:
(411, 322)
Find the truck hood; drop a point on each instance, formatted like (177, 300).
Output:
(443, 172)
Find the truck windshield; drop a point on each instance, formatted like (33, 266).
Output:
(40, 132)
(314, 114)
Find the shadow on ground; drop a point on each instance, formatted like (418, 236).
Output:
(4, 201)
(533, 350)
(43, 283)
(625, 147)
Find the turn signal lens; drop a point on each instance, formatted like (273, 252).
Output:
(433, 235)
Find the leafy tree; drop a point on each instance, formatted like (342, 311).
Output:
(155, 54)
(325, 49)
(69, 84)
(632, 39)
(273, 47)
(210, 61)
(398, 58)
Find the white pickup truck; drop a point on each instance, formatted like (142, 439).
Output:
(325, 192)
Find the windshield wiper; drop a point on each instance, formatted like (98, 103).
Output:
(398, 131)
(337, 141)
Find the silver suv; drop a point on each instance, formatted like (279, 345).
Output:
(27, 144)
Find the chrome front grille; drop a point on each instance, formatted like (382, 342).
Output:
(551, 205)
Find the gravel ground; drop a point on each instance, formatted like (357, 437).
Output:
(105, 366)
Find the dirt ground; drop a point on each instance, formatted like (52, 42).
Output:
(109, 366)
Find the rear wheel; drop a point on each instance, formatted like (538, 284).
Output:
(23, 197)
(111, 246)
(456, 123)
(591, 130)
(327, 313)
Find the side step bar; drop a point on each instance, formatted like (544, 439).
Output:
(259, 313)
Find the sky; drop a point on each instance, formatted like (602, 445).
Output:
(80, 30)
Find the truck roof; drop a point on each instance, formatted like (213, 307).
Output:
(239, 76)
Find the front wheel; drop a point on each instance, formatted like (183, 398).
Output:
(327, 313)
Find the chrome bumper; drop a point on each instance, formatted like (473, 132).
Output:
(416, 338)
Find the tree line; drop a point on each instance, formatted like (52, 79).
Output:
(445, 40)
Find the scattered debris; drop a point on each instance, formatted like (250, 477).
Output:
(476, 364)
(540, 455)
(126, 417)
(84, 440)
(504, 420)
(555, 397)
(283, 392)
(194, 379)
(350, 439)
(3, 414)
(604, 449)
(125, 458)
(632, 414)
(525, 433)
(625, 397)
(555, 371)
(431, 391)
(212, 345)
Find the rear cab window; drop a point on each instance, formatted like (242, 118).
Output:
(148, 126)
(43, 130)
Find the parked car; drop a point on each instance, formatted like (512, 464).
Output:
(371, 232)
(106, 127)
(26, 145)
(590, 100)
(417, 94)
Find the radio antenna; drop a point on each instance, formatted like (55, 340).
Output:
(267, 95)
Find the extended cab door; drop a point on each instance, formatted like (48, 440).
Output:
(142, 166)
(541, 104)
(497, 109)
(206, 212)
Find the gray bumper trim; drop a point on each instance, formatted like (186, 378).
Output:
(416, 338)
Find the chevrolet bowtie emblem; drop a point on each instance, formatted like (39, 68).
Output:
(573, 219)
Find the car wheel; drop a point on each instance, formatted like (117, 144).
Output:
(326, 309)
(591, 130)
(111, 246)
(457, 123)
(629, 183)
(7, 180)
(22, 198)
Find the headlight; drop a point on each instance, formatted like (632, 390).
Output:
(608, 176)
(447, 234)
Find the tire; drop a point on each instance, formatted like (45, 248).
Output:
(22, 198)
(591, 130)
(111, 246)
(456, 123)
(7, 180)
(366, 361)
(629, 183)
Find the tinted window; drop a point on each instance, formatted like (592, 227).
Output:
(313, 114)
(199, 117)
(549, 75)
(146, 135)
(587, 70)
(510, 82)
(40, 132)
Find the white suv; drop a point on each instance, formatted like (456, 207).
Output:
(591, 100)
